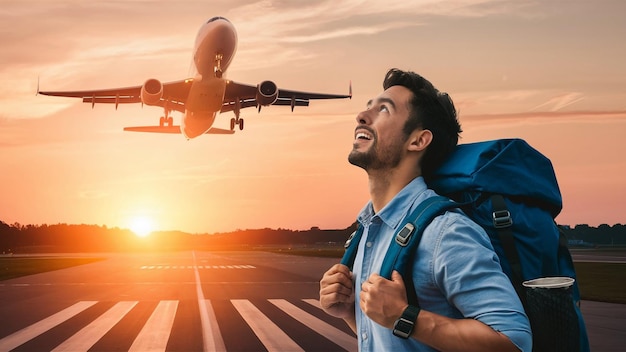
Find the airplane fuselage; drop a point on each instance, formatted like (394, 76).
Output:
(214, 49)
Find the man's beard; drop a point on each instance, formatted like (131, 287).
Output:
(375, 159)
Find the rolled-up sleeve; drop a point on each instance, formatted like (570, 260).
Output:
(467, 271)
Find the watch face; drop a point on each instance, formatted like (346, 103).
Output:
(403, 328)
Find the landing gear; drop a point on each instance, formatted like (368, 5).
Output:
(166, 120)
(236, 121)
(218, 65)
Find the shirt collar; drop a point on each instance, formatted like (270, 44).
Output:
(397, 209)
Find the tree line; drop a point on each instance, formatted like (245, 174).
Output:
(17, 238)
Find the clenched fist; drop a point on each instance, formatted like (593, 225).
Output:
(337, 292)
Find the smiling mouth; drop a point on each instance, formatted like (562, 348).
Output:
(363, 136)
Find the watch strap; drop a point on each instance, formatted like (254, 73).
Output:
(404, 326)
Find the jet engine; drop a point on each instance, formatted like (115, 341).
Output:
(267, 93)
(151, 92)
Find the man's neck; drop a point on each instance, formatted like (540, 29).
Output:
(384, 185)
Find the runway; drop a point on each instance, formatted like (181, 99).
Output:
(238, 301)
(198, 301)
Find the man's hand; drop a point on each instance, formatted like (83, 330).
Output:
(383, 300)
(337, 292)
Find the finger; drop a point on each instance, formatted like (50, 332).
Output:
(337, 287)
(363, 299)
(338, 271)
(396, 277)
(329, 280)
(374, 277)
(340, 268)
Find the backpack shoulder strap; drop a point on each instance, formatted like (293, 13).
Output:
(403, 246)
(410, 232)
(351, 246)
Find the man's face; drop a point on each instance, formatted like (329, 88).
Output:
(378, 137)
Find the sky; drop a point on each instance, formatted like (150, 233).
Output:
(551, 72)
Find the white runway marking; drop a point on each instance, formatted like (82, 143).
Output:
(156, 332)
(195, 267)
(211, 336)
(321, 327)
(272, 337)
(29, 333)
(90, 334)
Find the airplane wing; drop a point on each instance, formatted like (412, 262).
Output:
(247, 96)
(174, 95)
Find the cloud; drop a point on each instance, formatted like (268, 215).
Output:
(526, 100)
(561, 101)
(588, 116)
(265, 25)
(347, 32)
(276, 19)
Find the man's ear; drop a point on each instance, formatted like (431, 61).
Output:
(419, 140)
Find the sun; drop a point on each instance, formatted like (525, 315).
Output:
(142, 226)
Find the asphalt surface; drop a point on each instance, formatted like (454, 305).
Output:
(246, 301)
(194, 301)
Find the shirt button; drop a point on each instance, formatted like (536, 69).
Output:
(369, 244)
(364, 336)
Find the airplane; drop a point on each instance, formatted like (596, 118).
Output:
(204, 95)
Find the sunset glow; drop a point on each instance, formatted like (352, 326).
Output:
(142, 226)
(549, 73)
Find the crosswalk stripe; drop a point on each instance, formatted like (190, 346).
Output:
(272, 337)
(314, 302)
(213, 338)
(30, 332)
(321, 327)
(155, 333)
(90, 334)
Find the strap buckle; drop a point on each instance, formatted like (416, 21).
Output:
(404, 235)
(502, 219)
(347, 244)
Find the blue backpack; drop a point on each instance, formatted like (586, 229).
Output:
(510, 190)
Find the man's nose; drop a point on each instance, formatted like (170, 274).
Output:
(363, 117)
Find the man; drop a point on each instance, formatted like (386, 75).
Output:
(467, 303)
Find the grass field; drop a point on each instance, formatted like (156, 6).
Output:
(12, 267)
(604, 282)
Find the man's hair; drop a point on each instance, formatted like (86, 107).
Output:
(431, 110)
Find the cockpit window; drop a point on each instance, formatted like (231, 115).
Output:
(217, 18)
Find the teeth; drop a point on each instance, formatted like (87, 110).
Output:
(363, 135)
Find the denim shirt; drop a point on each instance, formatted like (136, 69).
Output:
(456, 273)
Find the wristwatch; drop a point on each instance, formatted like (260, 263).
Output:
(403, 327)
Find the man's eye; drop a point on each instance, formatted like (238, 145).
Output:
(384, 108)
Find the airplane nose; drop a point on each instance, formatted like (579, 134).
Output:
(194, 125)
